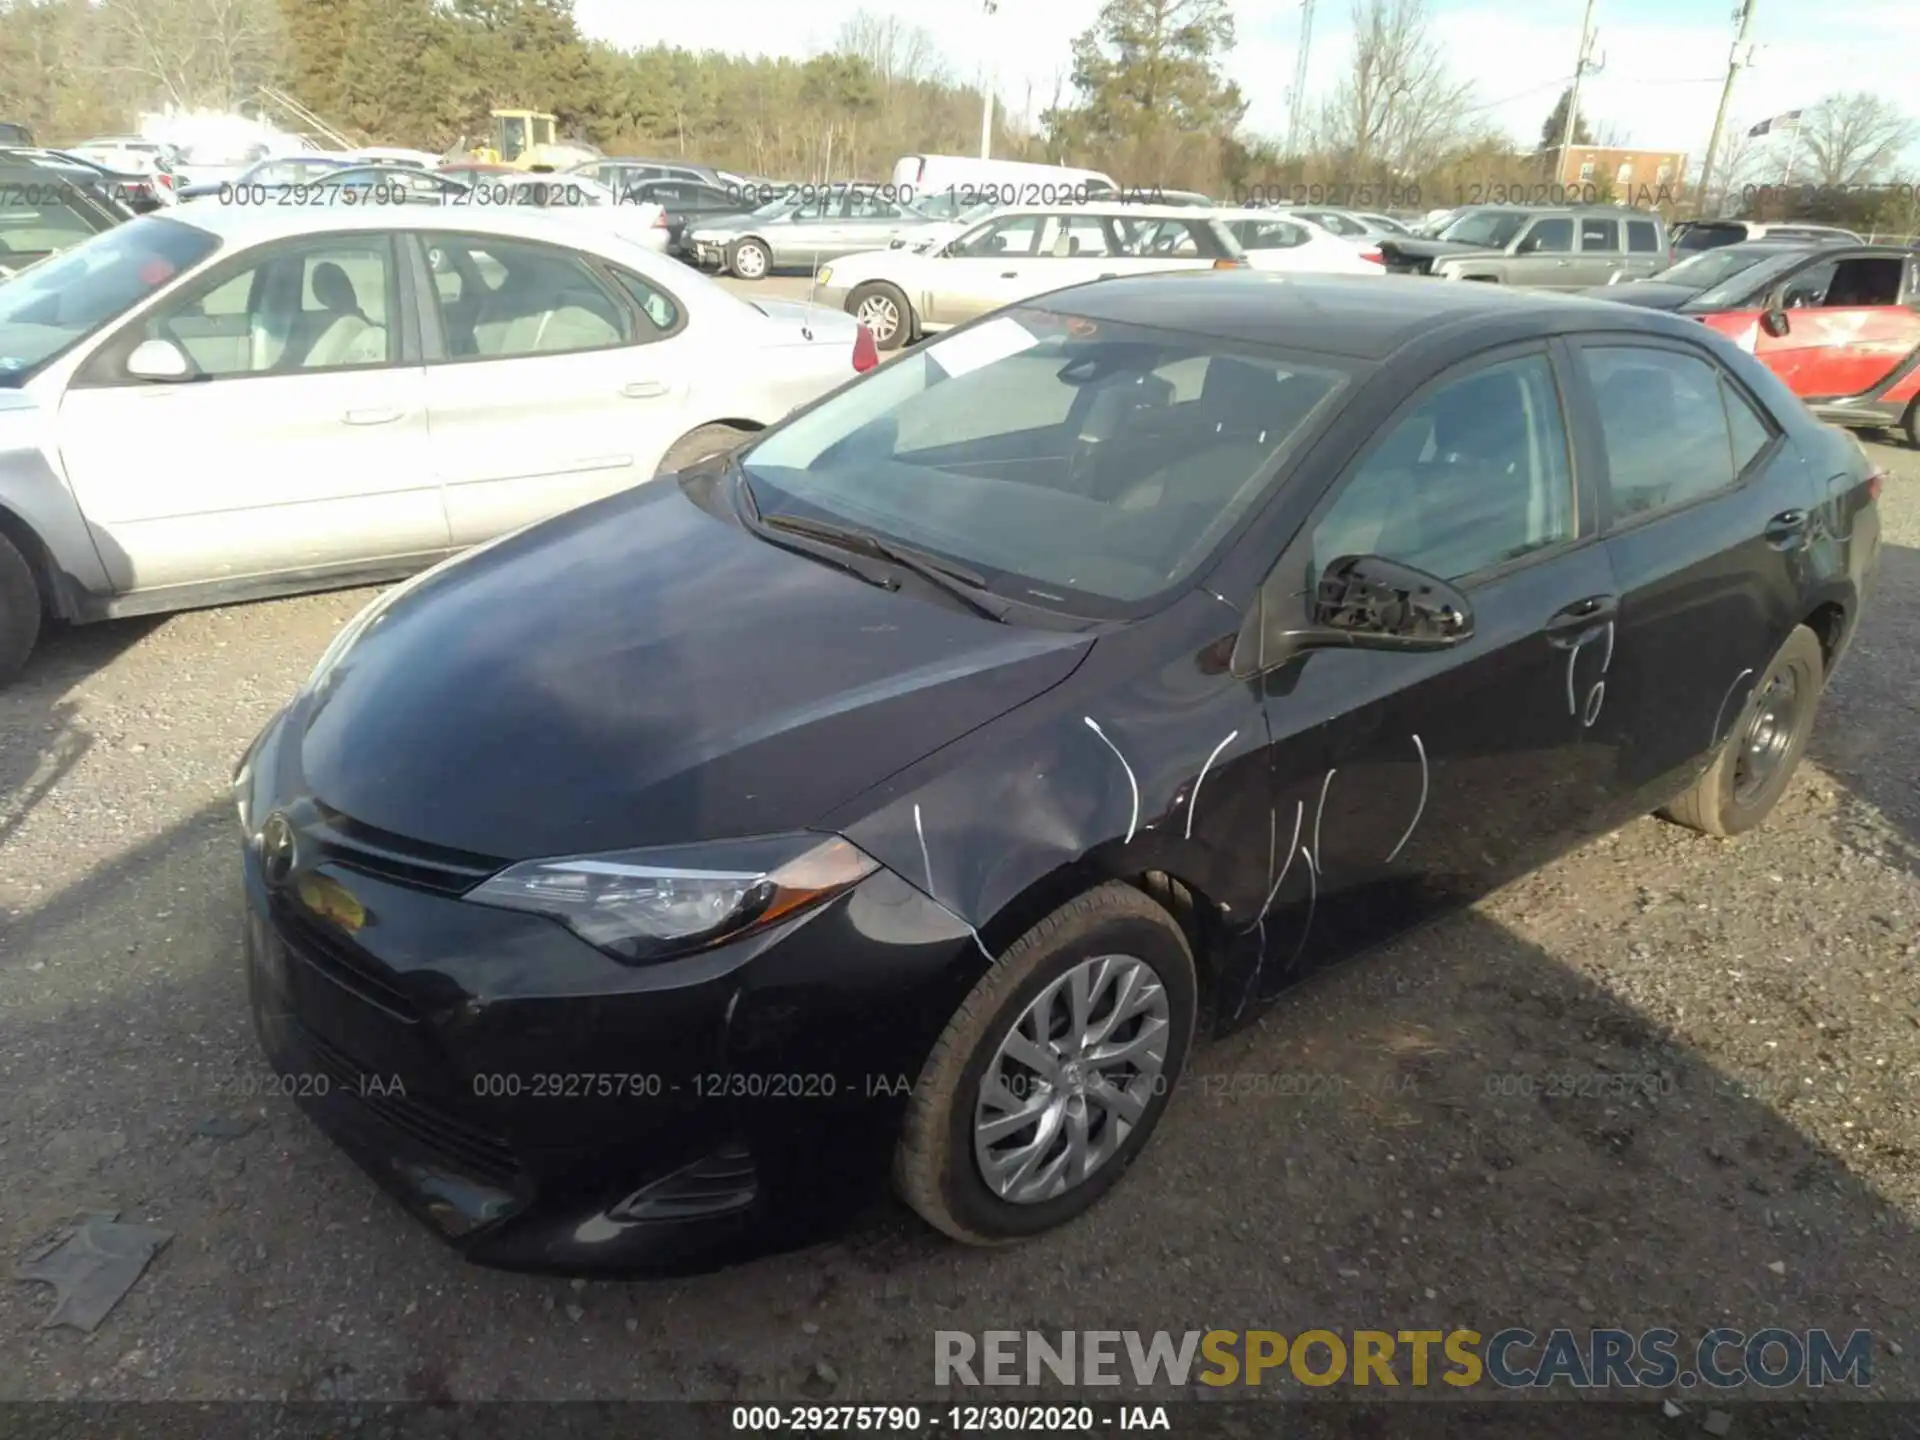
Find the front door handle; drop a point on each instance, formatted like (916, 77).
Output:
(1582, 621)
(1009, 274)
(1787, 529)
(372, 417)
(643, 390)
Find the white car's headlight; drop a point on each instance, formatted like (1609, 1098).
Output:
(647, 904)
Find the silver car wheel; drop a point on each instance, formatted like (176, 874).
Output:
(750, 261)
(1071, 1079)
(880, 315)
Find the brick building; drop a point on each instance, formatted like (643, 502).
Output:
(1629, 172)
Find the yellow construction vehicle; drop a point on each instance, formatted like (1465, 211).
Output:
(525, 140)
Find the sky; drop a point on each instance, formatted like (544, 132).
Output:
(1664, 60)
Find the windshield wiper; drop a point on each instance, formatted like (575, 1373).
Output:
(956, 580)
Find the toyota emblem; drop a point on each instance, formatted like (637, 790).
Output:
(277, 849)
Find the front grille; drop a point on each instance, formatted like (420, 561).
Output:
(341, 961)
(386, 856)
(466, 1146)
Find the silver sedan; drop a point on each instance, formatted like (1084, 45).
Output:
(807, 229)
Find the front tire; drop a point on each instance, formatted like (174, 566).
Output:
(1757, 760)
(1051, 1076)
(20, 610)
(883, 308)
(749, 259)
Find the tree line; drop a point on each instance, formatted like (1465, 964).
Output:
(1143, 95)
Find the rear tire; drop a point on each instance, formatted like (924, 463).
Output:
(749, 259)
(938, 1166)
(883, 308)
(1763, 749)
(697, 445)
(1910, 425)
(20, 610)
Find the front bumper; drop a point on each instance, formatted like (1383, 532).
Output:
(542, 1106)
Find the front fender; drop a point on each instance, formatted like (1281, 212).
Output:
(1120, 770)
(34, 491)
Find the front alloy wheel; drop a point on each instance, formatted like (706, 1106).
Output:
(1053, 1072)
(1071, 1079)
(882, 308)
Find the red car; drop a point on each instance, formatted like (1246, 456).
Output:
(1843, 330)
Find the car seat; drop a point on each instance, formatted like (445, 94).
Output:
(349, 336)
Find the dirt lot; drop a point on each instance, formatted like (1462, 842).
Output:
(1370, 1156)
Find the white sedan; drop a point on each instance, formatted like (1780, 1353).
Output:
(226, 402)
(1017, 253)
(1292, 244)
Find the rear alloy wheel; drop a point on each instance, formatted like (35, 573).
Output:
(749, 259)
(697, 445)
(19, 610)
(1053, 1072)
(883, 309)
(1761, 752)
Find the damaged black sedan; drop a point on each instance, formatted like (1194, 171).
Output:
(903, 796)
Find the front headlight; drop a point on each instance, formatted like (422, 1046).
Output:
(648, 904)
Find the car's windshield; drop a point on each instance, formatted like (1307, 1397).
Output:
(58, 303)
(1711, 267)
(1491, 228)
(1081, 464)
(1739, 288)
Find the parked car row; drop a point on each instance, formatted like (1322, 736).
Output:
(902, 795)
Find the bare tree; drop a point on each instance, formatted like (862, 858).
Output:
(1853, 138)
(896, 50)
(195, 53)
(1400, 110)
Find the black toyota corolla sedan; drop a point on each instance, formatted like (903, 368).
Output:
(904, 795)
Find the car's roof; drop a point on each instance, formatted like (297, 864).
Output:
(1117, 209)
(1362, 317)
(249, 225)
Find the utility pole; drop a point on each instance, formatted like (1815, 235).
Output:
(1573, 95)
(1298, 100)
(1735, 59)
(992, 7)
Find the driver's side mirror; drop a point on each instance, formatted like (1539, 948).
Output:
(1775, 321)
(159, 360)
(1376, 603)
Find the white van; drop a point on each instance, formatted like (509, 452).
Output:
(962, 181)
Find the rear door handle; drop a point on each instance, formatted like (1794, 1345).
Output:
(1009, 274)
(372, 417)
(643, 390)
(1582, 621)
(1787, 529)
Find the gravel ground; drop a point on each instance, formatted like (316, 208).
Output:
(1370, 1155)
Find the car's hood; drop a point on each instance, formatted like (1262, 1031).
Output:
(642, 671)
(1418, 249)
(1649, 294)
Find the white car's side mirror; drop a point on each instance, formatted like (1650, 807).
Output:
(159, 360)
